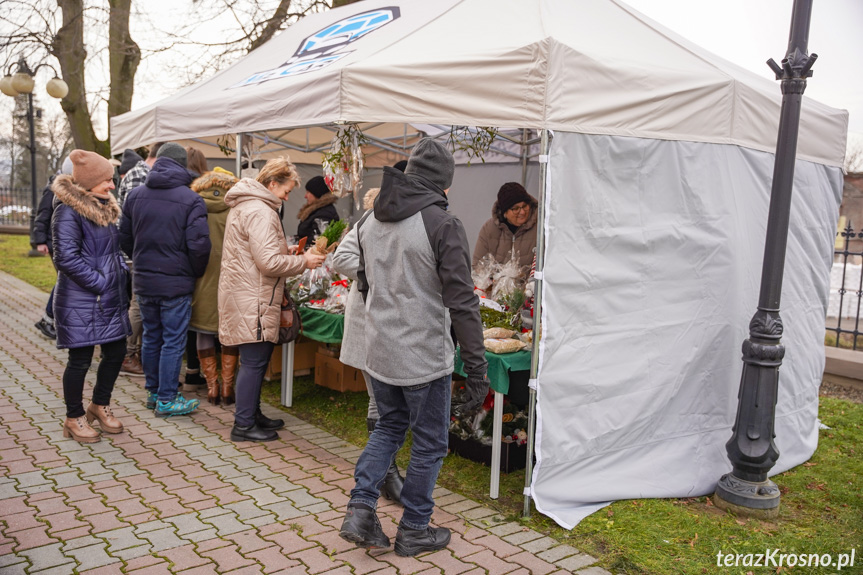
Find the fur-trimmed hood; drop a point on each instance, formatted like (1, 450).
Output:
(310, 208)
(100, 212)
(212, 186)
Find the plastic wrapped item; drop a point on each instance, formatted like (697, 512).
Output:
(343, 165)
(497, 333)
(337, 296)
(509, 278)
(501, 346)
(313, 286)
(483, 274)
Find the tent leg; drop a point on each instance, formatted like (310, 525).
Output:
(497, 431)
(239, 154)
(525, 149)
(287, 374)
(537, 318)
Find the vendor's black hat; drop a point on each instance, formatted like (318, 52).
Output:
(400, 166)
(510, 194)
(431, 160)
(317, 186)
(129, 161)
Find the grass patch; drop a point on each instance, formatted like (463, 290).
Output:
(821, 508)
(37, 272)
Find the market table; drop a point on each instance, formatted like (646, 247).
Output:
(499, 368)
(326, 327)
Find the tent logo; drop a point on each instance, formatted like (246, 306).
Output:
(327, 46)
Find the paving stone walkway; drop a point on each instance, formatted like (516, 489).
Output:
(177, 496)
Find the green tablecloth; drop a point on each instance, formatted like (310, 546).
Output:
(330, 328)
(322, 326)
(499, 367)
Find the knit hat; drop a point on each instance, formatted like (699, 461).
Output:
(317, 186)
(90, 169)
(130, 160)
(433, 162)
(174, 151)
(401, 165)
(510, 194)
(67, 166)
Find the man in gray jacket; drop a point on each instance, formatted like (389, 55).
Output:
(415, 276)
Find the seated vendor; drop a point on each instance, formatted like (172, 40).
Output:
(512, 225)
(318, 211)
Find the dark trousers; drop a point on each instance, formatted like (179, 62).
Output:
(76, 371)
(254, 358)
(49, 309)
(193, 364)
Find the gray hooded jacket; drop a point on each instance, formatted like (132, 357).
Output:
(415, 276)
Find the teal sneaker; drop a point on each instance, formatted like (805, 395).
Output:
(151, 400)
(180, 406)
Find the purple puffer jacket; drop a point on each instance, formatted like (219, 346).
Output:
(90, 301)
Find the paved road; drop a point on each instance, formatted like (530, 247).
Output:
(177, 496)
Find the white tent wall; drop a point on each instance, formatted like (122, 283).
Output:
(652, 272)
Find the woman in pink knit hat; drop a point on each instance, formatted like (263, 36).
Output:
(90, 301)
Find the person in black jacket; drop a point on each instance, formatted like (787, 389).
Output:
(90, 301)
(318, 211)
(41, 238)
(164, 230)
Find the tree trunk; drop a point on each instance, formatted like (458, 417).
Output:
(69, 50)
(125, 55)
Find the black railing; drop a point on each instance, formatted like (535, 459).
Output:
(15, 207)
(846, 280)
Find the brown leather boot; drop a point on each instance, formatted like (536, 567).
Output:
(78, 429)
(208, 368)
(107, 422)
(230, 358)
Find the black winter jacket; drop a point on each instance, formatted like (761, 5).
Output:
(164, 230)
(42, 223)
(321, 209)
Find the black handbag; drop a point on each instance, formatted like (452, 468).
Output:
(290, 323)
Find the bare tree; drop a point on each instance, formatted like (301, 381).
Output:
(854, 156)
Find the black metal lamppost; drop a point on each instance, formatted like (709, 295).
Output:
(22, 83)
(751, 449)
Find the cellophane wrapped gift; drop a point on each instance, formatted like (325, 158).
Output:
(509, 277)
(483, 274)
(337, 297)
(313, 286)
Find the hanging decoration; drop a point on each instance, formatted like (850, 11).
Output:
(343, 165)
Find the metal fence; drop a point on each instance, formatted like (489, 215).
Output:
(15, 207)
(846, 289)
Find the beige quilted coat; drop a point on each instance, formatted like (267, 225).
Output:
(255, 263)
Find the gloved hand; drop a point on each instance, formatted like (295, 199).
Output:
(466, 402)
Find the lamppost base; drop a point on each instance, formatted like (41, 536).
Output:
(747, 498)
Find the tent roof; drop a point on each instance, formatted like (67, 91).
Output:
(592, 66)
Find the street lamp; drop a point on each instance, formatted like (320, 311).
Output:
(751, 450)
(22, 83)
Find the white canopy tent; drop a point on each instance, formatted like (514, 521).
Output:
(654, 203)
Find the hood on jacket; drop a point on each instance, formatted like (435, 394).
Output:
(327, 199)
(248, 189)
(212, 186)
(499, 217)
(100, 212)
(403, 195)
(167, 173)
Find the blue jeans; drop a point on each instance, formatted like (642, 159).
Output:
(165, 321)
(423, 408)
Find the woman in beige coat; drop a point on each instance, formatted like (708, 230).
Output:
(255, 261)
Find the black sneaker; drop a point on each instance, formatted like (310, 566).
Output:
(410, 542)
(47, 329)
(361, 527)
(265, 422)
(252, 433)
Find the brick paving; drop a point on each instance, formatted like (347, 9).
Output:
(177, 496)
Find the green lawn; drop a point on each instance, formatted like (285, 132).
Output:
(821, 510)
